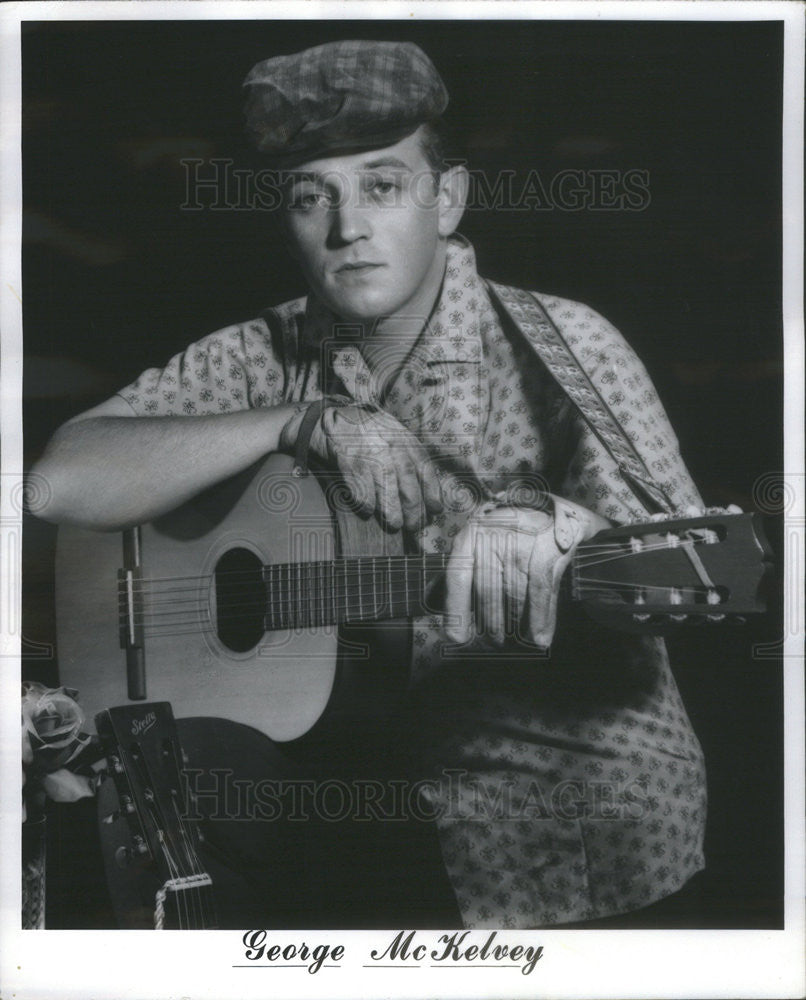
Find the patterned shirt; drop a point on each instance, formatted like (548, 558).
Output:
(566, 787)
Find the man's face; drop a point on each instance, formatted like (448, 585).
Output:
(365, 229)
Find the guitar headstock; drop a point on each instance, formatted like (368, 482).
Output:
(149, 845)
(653, 577)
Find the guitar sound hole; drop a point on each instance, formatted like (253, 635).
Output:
(240, 600)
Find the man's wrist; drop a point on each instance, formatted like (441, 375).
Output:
(290, 431)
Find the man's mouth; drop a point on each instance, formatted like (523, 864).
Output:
(357, 265)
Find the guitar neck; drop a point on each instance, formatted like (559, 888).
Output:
(705, 568)
(341, 591)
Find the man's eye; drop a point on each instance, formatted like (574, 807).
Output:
(382, 187)
(305, 201)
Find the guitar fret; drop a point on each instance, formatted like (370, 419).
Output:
(406, 583)
(322, 594)
(268, 596)
(299, 610)
(312, 596)
(360, 592)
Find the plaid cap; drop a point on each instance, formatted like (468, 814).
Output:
(345, 95)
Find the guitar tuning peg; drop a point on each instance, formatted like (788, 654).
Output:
(115, 764)
(140, 846)
(715, 618)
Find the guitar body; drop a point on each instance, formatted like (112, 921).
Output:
(283, 680)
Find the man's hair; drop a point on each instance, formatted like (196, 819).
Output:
(441, 148)
(433, 143)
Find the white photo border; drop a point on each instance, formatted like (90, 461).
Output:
(83, 964)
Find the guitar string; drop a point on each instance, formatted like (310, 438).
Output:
(210, 920)
(308, 573)
(188, 898)
(352, 600)
(311, 615)
(360, 567)
(591, 548)
(342, 571)
(343, 581)
(196, 869)
(185, 898)
(282, 606)
(146, 780)
(314, 603)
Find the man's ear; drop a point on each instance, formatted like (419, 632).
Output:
(452, 196)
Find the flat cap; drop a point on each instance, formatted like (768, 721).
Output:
(345, 95)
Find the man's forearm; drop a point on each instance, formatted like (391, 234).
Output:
(110, 472)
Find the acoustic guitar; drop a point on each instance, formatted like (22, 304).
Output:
(251, 602)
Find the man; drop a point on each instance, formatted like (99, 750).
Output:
(564, 788)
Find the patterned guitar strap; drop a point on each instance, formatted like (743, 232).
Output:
(531, 319)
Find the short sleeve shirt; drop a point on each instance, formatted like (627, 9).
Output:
(562, 790)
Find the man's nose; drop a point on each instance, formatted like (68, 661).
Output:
(350, 219)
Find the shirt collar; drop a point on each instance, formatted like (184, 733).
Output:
(452, 332)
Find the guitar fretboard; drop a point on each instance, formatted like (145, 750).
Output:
(340, 591)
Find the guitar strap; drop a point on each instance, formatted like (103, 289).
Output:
(531, 319)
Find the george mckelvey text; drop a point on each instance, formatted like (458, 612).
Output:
(457, 949)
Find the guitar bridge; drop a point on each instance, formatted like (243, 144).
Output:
(130, 611)
(130, 615)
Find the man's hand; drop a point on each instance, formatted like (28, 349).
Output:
(383, 465)
(506, 564)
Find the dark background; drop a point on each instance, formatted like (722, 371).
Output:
(117, 277)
